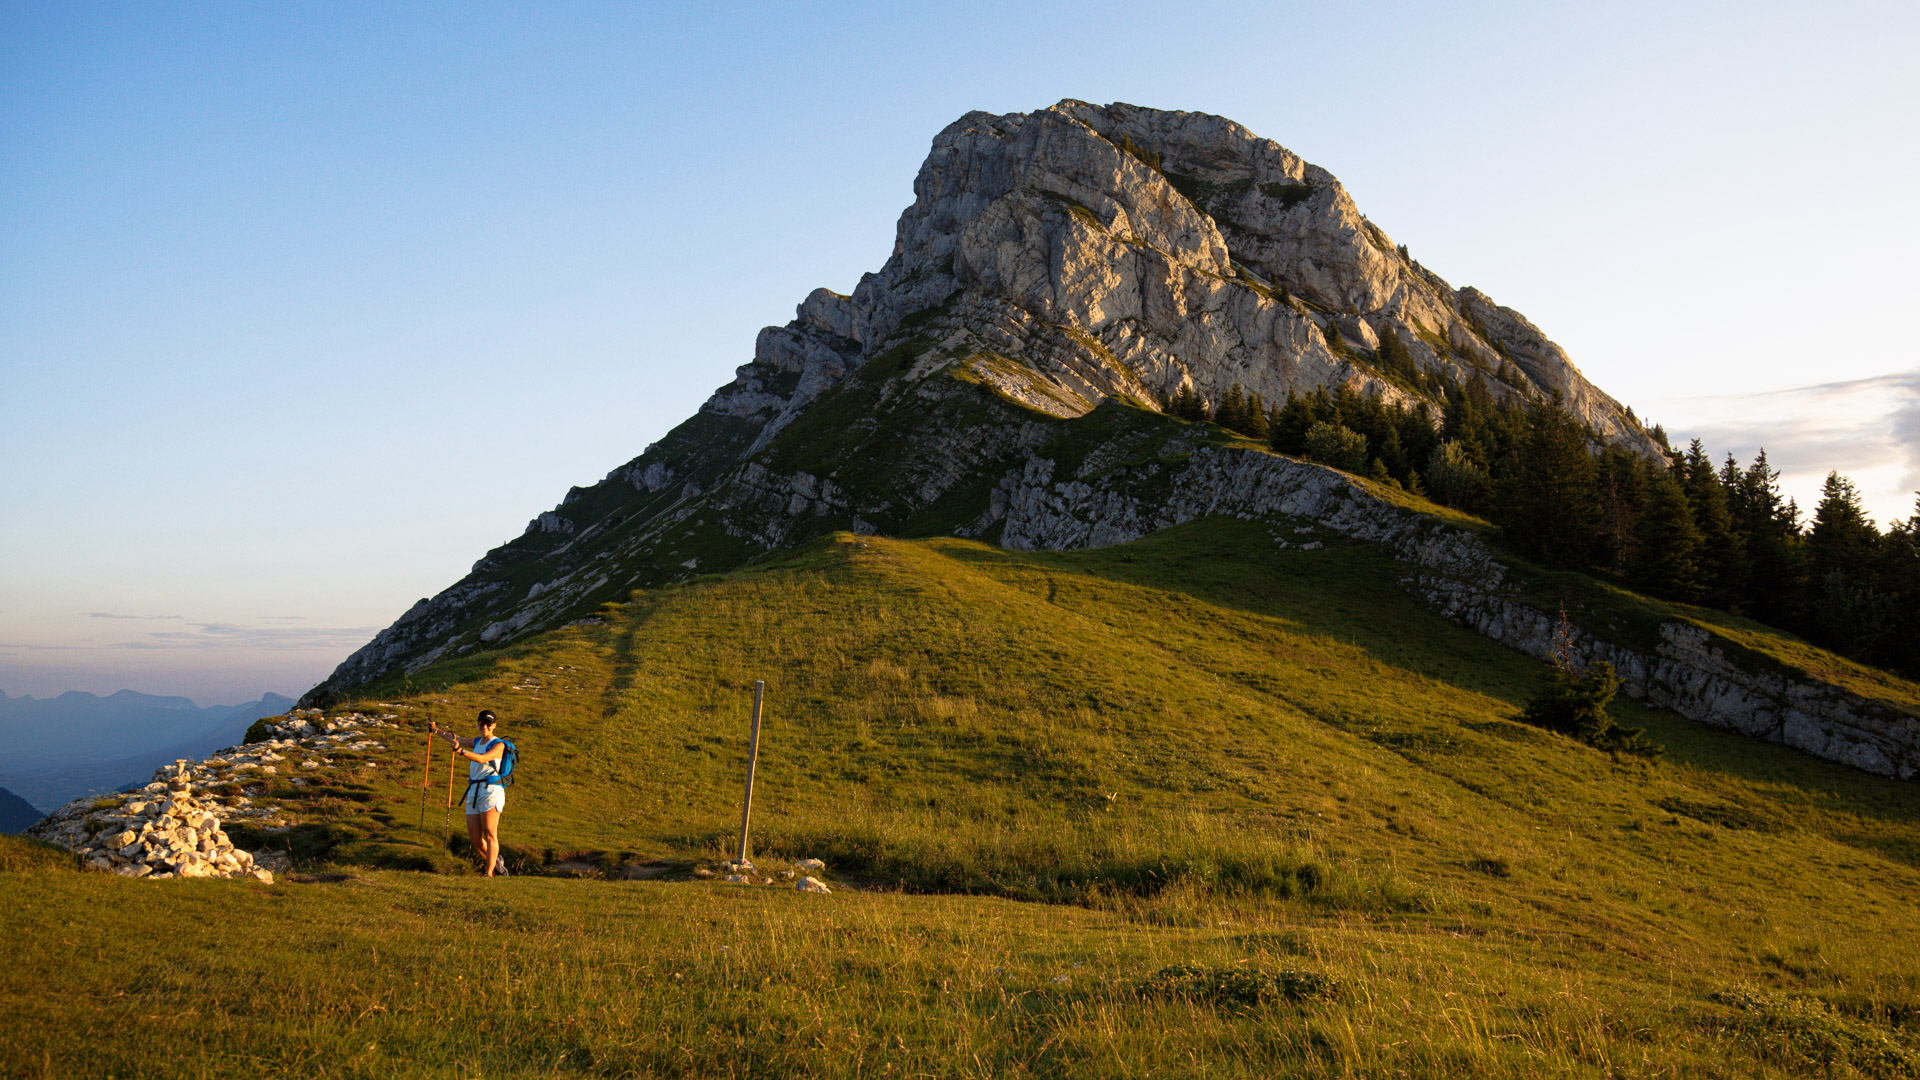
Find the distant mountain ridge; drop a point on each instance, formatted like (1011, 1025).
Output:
(62, 747)
(1051, 262)
(16, 813)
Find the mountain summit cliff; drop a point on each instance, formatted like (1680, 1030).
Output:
(1052, 263)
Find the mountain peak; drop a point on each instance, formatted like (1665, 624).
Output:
(1050, 262)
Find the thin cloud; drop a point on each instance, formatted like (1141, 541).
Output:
(115, 615)
(1868, 429)
(232, 636)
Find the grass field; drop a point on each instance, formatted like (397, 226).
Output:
(1189, 806)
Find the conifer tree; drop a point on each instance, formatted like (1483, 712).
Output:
(1574, 701)
(1394, 456)
(1849, 611)
(1899, 572)
(1379, 474)
(1188, 405)
(1723, 555)
(1396, 358)
(1667, 563)
(1575, 704)
(1297, 417)
(1231, 412)
(1620, 491)
(1417, 435)
(1253, 422)
(1545, 505)
(1769, 529)
(1842, 539)
(1178, 404)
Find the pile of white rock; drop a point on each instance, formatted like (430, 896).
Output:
(171, 827)
(152, 835)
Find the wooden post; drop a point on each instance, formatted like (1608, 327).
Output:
(753, 758)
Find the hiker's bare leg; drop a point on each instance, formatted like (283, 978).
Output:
(492, 827)
(477, 833)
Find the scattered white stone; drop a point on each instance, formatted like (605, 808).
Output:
(811, 865)
(812, 884)
(737, 879)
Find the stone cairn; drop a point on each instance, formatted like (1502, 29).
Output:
(171, 827)
(155, 834)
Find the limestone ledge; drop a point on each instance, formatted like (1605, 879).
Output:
(1464, 579)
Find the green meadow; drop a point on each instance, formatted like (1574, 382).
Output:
(1191, 806)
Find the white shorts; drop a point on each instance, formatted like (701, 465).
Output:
(484, 797)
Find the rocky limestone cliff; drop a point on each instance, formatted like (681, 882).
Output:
(1058, 277)
(1691, 670)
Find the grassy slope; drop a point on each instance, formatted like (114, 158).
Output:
(1221, 753)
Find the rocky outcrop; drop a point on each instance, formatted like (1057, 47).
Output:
(1050, 261)
(1692, 671)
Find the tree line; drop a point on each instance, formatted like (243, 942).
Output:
(1678, 527)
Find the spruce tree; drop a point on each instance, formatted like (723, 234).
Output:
(1899, 573)
(1297, 417)
(1379, 474)
(1842, 539)
(1396, 358)
(1621, 491)
(1723, 555)
(1253, 422)
(1575, 704)
(1849, 612)
(1667, 563)
(1231, 412)
(1188, 405)
(1769, 529)
(1544, 497)
(1179, 403)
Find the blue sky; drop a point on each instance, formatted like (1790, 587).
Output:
(303, 307)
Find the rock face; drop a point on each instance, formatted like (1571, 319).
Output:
(1059, 276)
(1456, 572)
(1050, 261)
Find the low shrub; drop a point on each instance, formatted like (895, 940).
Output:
(1240, 987)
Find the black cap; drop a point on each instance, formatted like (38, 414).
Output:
(486, 716)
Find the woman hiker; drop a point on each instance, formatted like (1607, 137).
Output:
(484, 798)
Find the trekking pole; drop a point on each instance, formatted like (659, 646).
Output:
(426, 775)
(452, 760)
(753, 758)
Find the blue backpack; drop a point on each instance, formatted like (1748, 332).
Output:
(509, 758)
